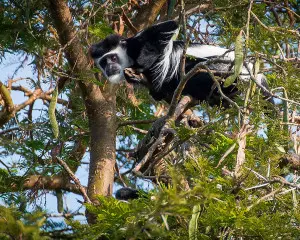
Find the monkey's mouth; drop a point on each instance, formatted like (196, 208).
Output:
(112, 73)
(113, 70)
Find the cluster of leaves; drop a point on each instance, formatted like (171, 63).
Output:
(210, 205)
(213, 207)
(20, 225)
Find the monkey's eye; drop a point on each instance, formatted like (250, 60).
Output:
(114, 58)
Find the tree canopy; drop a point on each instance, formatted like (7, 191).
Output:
(233, 176)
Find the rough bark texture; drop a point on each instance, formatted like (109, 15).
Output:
(102, 121)
(148, 13)
(41, 182)
(100, 106)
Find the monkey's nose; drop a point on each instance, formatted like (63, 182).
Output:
(112, 70)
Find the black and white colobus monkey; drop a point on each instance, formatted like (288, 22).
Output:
(154, 53)
(127, 194)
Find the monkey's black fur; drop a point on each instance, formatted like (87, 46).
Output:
(154, 53)
(127, 194)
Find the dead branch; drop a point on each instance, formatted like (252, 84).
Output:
(128, 22)
(156, 134)
(220, 89)
(271, 194)
(150, 152)
(241, 156)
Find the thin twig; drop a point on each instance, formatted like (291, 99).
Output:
(220, 89)
(142, 131)
(271, 194)
(75, 179)
(226, 154)
(128, 22)
(257, 186)
(257, 174)
(65, 215)
(6, 166)
(266, 90)
(9, 130)
(274, 29)
(134, 122)
(150, 152)
(248, 23)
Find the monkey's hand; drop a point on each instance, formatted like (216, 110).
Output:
(132, 76)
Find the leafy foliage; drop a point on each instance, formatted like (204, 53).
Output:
(209, 210)
(17, 225)
(201, 198)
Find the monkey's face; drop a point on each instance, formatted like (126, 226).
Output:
(110, 56)
(143, 52)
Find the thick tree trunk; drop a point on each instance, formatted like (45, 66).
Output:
(100, 106)
(102, 124)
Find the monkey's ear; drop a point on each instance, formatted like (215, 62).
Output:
(160, 33)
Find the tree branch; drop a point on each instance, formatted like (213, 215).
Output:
(134, 122)
(147, 14)
(75, 179)
(39, 182)
(100, 105)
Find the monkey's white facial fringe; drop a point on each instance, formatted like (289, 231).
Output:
(117, 78)
(125, 62)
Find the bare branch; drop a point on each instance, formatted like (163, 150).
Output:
(266, 90)
(128, 22)
(220, 89)
(135, 122)
(275, 29)
(40, 182)
(5, 165)
(9, 130)
(150, 152)
(241, 156)
(271, 194)
(226, 154)
(147, 14)
(75, 179)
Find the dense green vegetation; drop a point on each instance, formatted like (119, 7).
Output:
(234, 177)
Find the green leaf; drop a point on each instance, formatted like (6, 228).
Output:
(60, 201)
(280, 148)
(238, 60)
(51, 112)
(100, 30)
(171, 6)
(193, 225)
